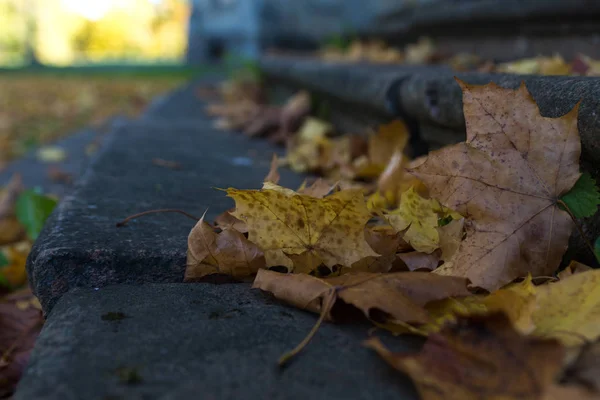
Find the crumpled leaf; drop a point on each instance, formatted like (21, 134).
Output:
(393, 297)
(506, 184)
(227, 252)
(583, 199)
(479, 358)
(386, 242)
(284, 223)
(420, 217)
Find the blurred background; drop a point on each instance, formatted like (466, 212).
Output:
(75, 32)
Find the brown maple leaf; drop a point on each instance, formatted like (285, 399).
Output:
(506, 180)
(479, 358)
(395, 297)
(227, 252)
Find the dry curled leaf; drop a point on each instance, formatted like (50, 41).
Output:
(285, 224)
(479, 358)
(420, 219)
(227, 252)
(506, 179)
(394, 297)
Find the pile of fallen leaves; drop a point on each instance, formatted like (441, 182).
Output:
(22, 216)
(426, 52)
(462, 246)
(37, 110)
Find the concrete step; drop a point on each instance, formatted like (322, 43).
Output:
(81, 246)
(200, 341)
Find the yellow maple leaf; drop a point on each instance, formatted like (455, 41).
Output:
(569, 310)
(314, 231)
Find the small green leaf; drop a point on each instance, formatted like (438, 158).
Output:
(583, 199)
(3, 260)
(32, 211)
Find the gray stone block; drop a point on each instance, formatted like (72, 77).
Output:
(191, 341)
(80, 244)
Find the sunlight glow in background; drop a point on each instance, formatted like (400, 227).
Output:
(96, 9)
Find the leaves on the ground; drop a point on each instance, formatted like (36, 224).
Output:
(315, 231)
(227, 252)
(32, 210)
(583, 199)
(479, 358)
(569, 310)
(419, 217)
(394, 297)
(585, 370)
(511, 184)
(506, 184)
(21, 321)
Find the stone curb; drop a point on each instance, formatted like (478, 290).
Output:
(191, 341)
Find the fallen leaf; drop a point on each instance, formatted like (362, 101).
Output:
(420, 217)
(390, 139)
(415, 260)
(569, 310)
(319, 188)
(479, 358)
(14, 272)
(451, 235)
(51, 154)
(506, 184)
(227, 252)
(573, 268)
(385, 242)
(20, 328)
(284, 223)
(393, 297)
(225, 220)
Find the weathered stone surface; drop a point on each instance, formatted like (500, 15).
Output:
(81, 246)
(190, 341)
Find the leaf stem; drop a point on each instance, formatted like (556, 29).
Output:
(327, 305)
(162, 210)
(583, 237)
